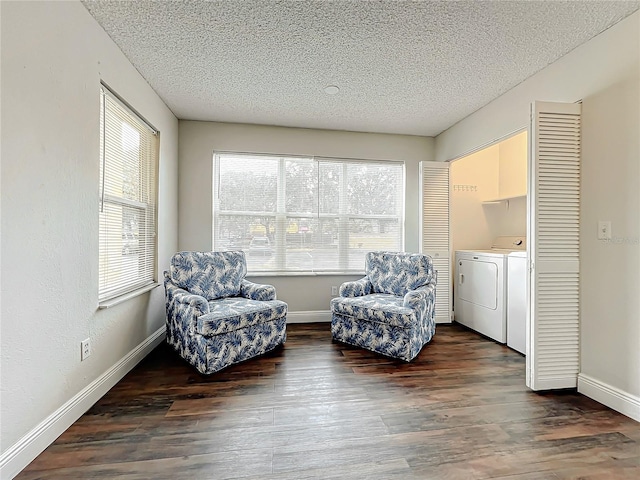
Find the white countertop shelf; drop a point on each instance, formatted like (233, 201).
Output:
(503, 199)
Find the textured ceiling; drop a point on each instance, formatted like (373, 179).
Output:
(412, 67)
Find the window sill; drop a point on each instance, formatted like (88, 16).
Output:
(304, 274)
(127, 296)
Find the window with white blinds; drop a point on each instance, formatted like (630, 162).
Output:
(306, 214)
(127, 203)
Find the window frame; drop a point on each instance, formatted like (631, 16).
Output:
(281, 216)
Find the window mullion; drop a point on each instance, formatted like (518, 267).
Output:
(281, 218)
(343, 222)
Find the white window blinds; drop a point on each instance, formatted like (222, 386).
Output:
(127, 204)
(305, 214)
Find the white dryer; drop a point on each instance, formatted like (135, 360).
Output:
(481, 287)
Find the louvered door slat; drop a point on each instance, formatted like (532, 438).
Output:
(434, 231)
(553, 231)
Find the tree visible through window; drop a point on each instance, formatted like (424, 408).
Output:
(306, 214)
(127, 204)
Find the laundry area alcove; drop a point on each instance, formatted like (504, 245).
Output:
(488, 230)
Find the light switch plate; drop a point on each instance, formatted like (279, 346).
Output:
(604, 230)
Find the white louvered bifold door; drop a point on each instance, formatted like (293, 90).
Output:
(434, 231)
(553, 230)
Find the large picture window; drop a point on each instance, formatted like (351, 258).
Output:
(127, 204)
(305, 214)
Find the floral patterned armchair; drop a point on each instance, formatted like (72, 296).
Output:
(391, 309)
(215, 317)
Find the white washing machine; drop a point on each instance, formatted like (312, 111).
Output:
(481, 287)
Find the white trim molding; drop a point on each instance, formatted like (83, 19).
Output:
(309, 317)
(18, 456)
(612, 397)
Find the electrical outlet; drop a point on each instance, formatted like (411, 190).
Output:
(85, 349)
(604, 230)
(334, 290)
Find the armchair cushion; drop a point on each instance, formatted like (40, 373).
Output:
(209, 274)
(377, 307)
(230, 314)
(397, 273)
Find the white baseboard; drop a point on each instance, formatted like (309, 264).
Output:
(612, 397)
(18, 456)
(309, 317)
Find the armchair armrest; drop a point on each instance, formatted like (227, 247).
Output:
(182, 299)
(419, 298)
(356, 288)
(257, 291)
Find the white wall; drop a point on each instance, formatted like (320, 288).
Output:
(604, 73)
(474, 179)
(54, 55)
(510, 217)
(198, 140)
(512, 179)
(610, 296)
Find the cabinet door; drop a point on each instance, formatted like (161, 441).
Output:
(553, 229)
(434, 231)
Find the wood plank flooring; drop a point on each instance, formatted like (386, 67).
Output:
(320, 409)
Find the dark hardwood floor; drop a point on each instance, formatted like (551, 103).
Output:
(318, 409)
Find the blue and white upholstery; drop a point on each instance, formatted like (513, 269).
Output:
(215, 317)
(391, 309)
